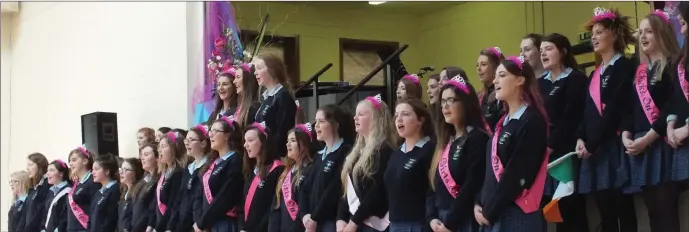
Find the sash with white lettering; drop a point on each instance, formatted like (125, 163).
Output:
(161, 206)
(207, 189)
(79, 213)
(530, 198)
(379, 224)
(594, 90)
(641, 83)
(52, 203)
(254, 185)
(683, 83)
(292, 207)
(444, 171)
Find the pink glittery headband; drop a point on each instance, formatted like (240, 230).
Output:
(377, 101)
(600, 13)
(62, 163)
(517, 60)
(663, 15)
(261, 127)
(306, 128)
(203, 129)
(228, 120)
(83, 151)
(246, 67)
(497, 52)
(459, 82)
(173, 136)
(413, 78)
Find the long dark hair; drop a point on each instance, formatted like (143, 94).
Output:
(249, 95)
(234, 141)
(109, 163)
(136, 190)
(41, 167)
(472, 116)
(231, 98)
(684, 12)
(306, 151)
(266, 156)
(138, 170)
(341, 119)
(564, 47)
(423, 114)
(530, 90)
(61, 167)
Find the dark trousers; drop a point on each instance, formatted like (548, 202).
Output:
(617, 211)
(662, 202)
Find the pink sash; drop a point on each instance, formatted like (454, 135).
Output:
(530, 199)
(79, 213)
(161, 206)
(207, 189)
(650, 109)
(594, 91)
(445, 175)
(254, 185)
(683, 83)
(292, 206)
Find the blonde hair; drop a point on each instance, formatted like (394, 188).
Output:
(667, 43)
(22, 177)
(363, 161)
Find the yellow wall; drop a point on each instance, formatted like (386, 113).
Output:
(320, 28)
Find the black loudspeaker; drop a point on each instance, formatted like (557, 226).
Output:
(99, 132)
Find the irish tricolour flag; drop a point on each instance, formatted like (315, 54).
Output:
(562, 171)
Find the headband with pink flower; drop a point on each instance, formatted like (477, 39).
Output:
(600, 13)
(377, 101)
(663, 15)
(413, 78)
(306, 128)
(519, 60)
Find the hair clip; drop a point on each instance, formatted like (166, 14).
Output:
(83, 151)
(203, 129)
(377, 101)
(261, 127)
(306, 128)
(600, 13)
(297, 102)
(663, 15)
(518, 60)
(497, 52)
(459, 82)
(413, 78)
(62, 163)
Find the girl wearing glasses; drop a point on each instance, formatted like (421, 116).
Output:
(83, 189)
(131, 172)
(103, 216)
(20, 184)
(58, 177)
(170, 168)
(458, 165)
(220, 179)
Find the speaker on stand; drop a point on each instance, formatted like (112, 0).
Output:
(99, 132)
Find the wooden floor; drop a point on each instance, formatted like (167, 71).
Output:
(641, 214)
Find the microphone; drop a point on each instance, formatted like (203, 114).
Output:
(428, 68)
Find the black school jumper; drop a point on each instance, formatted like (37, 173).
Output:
(323, 188)
(124, 223)
(492, 110)
(34, 207)
(225, 183)
(144, 204)
(564, 99)
(83, 196)
(406, 182)
(280, 219)
(521, 147)
(466, 162)
(168, 195)
(261, 203)
(372, 194)
(57, 219)
(679, 112)
(16, 217)
(277, 111)
(103, 217)
(182, 220)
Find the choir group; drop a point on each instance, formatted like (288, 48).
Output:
(467, 161)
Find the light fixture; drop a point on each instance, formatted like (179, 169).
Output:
(375, 3)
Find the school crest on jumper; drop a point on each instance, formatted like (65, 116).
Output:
(552, 92)
(217, 170)
(328, 166)
(79, 191)
(504, 137)
(410, 163)
(605, 81)
(190, 182)
(261, 184)
(458, 150)
(100, 200)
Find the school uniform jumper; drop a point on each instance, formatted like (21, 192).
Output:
(608, 99)
(34, 207)
(144, 205)
(220, 194)
(322, 191)
(679, 112)
(406, 181)
(167, 197)
(277, 111)
(285, 217)
(492, 108)
(463, 166)
(103, 217)
(16, 217)
(259, 193)
(371, 193)
(56, 207)
(516, 163)
(79, 200)
(124, 223)
(182, 220)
